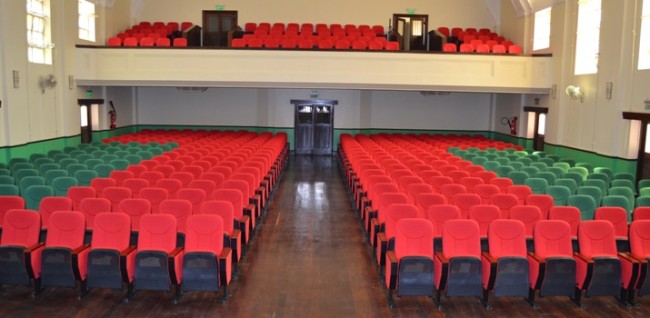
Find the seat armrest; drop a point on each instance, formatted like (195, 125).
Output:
(441, 257)
(535, 257)
(175, 252)
(79, 249)
(582, 258)
(127, 251)
(489, 257)
(34, 247)
(225, 266)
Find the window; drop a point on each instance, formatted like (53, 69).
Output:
(39, 48)
(644, 42)
(588, 37)
(86, 20)
(542, 31)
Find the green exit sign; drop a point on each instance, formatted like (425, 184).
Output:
(220, 7)
(89, 93)
(410, 11)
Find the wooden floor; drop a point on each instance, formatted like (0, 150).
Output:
(308, 259)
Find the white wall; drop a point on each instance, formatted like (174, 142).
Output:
(272, 108)
(411, 110)
(463, 13)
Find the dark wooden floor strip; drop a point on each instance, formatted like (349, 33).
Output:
(308, 259)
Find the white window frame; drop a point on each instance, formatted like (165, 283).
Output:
(542, 29)
(39, 45)
(87, 21)
(587, 46)
(644, 39)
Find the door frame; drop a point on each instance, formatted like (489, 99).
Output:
(88, 137)
(311, 102)
(538, 140)
(644, 118)
(219, 13)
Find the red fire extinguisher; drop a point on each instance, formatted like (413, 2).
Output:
(113, 116)
(512, 123)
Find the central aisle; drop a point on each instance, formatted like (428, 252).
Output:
(308, 258)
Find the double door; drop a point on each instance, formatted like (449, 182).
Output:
(314, 122)
(218, 26)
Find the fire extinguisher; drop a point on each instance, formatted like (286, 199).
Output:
(113, 116)
(512, 123)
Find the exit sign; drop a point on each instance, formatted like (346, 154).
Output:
(410, 11)
(220, 7)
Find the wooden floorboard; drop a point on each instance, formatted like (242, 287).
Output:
(308, 259)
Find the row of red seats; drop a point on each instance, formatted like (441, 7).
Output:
(504, 205)
(460, 268)
(180, 194)
(147, 42)
(156, 262)
(162, 28)
(310, 28)
(482, 48)
(304, 43)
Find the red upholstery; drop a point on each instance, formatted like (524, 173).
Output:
(470, 183)
(598, 263)
(114, 41)
(465, 201)
(136, 169)
(180, 42)
(552, 240)
(67, 230)
(438, 182)
(617, 216)
(543, 201)
(165, 169)
(505, 202)
(235, 198)
(529, 215)
(154, 196)
(50, 205)
(449, 47)
(102, 183)
(22, 228)
(184, 177)
(569, 214)
(135, 209)
(225, 210)
(195, 197)
(208, 187)
(425, 200)
(205, 235)
(641, 213)
(112, 231)
(163, 42)
(451, 190)
(502, 183)
(385, 200)
(506, 238)
(439, 214)
(91, 207)
(119, 176)
(412, 238)
(484, 215)
(9, 203)
(158, 233)
(521, 191)
(171, 185)
(460, 238)
(215, 177)
(135, 185)
(180, 209)
(151, 176)
(394, 213)
(486, 191)
(76, 194)
(116, 195)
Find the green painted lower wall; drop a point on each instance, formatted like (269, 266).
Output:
(616, 164)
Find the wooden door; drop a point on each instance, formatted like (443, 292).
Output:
(314, 126)
(217, 25)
